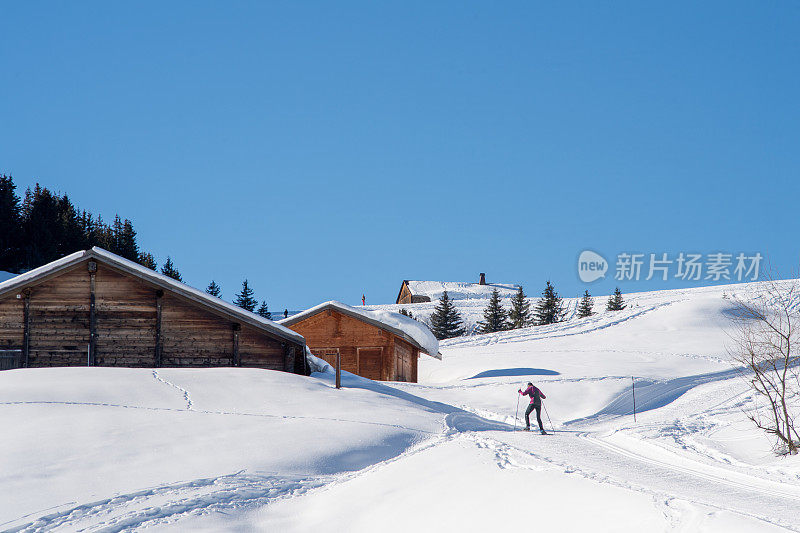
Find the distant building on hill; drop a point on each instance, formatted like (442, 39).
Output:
(412, 292)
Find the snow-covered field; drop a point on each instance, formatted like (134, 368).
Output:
(98, 449)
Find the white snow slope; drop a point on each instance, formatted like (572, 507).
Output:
(97, 449)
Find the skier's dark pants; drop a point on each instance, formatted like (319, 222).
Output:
(530, 408)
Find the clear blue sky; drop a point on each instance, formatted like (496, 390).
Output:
(323, 150)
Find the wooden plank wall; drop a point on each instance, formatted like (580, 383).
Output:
(405, 295)
(59, 320)
(127, 320)
(331, 330)
(405, 355)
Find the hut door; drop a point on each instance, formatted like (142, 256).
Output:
(369, 362)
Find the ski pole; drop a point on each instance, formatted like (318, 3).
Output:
(548, 418)
(516, 414)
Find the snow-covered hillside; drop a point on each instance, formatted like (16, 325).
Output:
(242, 449)
(471, 309)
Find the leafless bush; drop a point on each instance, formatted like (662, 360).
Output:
(766, 336)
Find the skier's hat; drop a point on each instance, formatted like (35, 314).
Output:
(531, 384)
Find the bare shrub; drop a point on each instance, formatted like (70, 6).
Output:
(766, 316)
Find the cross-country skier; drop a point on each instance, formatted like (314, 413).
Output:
(536, 403)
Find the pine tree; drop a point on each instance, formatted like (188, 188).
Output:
(70, 234)
(213, 289)
(10, 225)
(263, 310)
(116, 236)
(550, 308)
(520, 314)
(169, 270)
(586, 305)
(86, 223)
(615, 301)
(146, 259)
(245, 298)
(446, 322)
(127, 242)
(41, 227)
(101, 235)
(495, 318)
(406, 312)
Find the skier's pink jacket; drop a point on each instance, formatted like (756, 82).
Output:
(531, 391)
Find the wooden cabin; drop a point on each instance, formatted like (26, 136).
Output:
(413, 292)
(364, 344)
(94, 308)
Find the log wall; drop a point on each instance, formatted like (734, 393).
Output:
(365, 350)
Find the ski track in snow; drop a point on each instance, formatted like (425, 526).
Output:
(169, 503)
(664, 481)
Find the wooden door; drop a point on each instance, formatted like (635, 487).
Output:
(370, 362)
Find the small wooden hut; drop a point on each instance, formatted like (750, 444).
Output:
(98, 309)
(363, 343)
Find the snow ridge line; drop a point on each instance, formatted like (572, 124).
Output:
(226, 413)
(184, 391)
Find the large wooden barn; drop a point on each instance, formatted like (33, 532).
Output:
(95, 308)
(364, 343)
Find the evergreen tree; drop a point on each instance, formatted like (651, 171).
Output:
(495, 318)
(245, 298)
(86, 223)
(550, 308)
(263, 310)
(213, 289)
(615, 301)
(41, 227)
(101, 235)
(146, 259)
(520, 314)
(116, 236)
(406, 312)
(70, 235)
(127, 242)
(10, 226)
(446, 322)
(586, 305)
(169, 270)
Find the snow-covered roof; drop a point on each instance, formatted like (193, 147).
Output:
(404, 327)
(156, 278)
(460, 291)
(6, 275)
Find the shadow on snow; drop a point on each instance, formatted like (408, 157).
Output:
(510, 372)
(457, 420)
